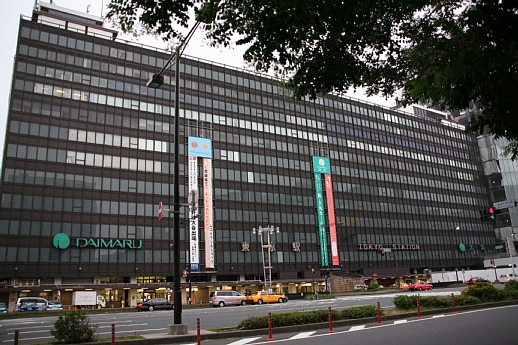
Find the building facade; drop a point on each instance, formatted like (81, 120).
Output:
(353, 188)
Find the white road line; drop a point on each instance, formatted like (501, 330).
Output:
(302, 335)
(400, 321)
(356, 328)
(440, 315)
(243, 341)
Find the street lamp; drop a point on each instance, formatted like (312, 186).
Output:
(206, 14)
(269, 230)
(511, 254)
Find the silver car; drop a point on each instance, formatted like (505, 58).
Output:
(54, 305)
(223, 298)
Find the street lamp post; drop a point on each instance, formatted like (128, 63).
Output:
(207, 14)
(511, 254)
(269, 230)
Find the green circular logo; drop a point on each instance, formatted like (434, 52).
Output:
(462, 247)
(61, 241)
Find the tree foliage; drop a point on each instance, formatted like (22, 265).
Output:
(443, 53)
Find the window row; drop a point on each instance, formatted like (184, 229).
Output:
(86, 159)
(56, 110)
(91, 137)
(52, 179)
(57, 204)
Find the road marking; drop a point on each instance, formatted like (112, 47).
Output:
(356, 328)
(302, 335)
(243, 341)
(399, 321)
(440, 315)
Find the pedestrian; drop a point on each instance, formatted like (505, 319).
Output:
(316, 294)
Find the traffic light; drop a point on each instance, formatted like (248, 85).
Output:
(483, 215)
(491, 213)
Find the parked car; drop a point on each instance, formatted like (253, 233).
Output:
(29, 306)
(261, 297)
(420, 285)
(504, 278)
(54, 305)
(3, 308)
(154, 304)
(223, 298)
(40, 302)
(474, 280)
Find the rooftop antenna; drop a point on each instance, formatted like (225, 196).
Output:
(88, 8)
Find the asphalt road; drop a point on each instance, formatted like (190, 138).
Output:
(37, 329)
(483, 326)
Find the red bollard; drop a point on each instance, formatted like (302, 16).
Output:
(330, 320)
(198, 334)
(113, 334)
(379, 314)
(418, 308)
(453, 304)
(270, 337)
(16, 337)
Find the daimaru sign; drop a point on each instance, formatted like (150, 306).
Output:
(62, 241)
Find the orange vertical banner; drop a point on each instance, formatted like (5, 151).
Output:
(332, 220)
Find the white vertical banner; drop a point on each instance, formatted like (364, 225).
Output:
(193, 219)
(207, 209)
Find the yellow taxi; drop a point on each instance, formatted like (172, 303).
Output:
(261, 297)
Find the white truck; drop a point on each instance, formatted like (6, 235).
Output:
(82, 299)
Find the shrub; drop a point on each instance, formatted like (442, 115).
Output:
(73, 328)
(435, 302)
(511, 285)
(511, 290)
(359, 312)
(307, 317)
(466, 300)
(485, 292)
(373, 287)
(405, 302)
(254, 322)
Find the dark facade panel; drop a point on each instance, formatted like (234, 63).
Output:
(89, 154)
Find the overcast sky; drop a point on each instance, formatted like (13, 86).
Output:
(9, 29)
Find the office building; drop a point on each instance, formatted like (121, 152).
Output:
(353, 187)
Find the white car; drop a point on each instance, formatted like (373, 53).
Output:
(54, 305)
(504, 278)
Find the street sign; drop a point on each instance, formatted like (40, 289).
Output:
(503, 204)
(160, 210)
